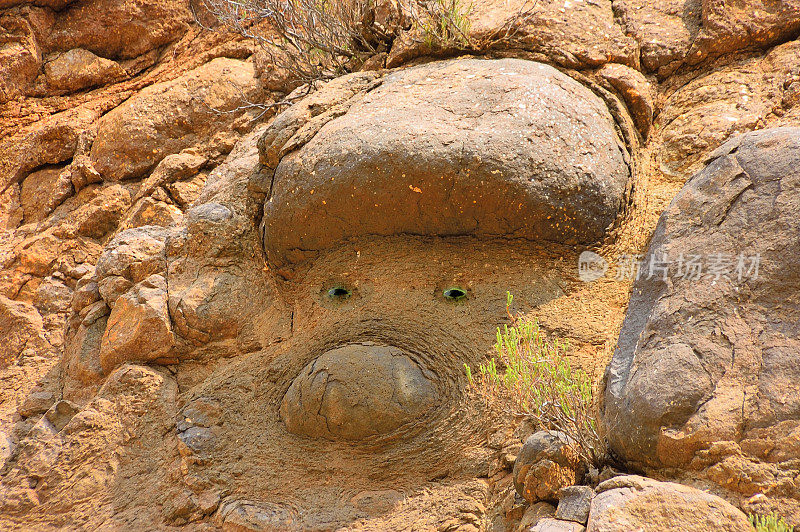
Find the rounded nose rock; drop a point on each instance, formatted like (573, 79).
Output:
(357, 391)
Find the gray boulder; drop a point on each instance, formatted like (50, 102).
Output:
(707, 363)
(508, 148)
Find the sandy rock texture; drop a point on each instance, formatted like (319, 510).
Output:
(722, 390)
(209, 322)
(490, 159)
(638, 503)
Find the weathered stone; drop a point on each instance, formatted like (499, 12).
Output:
(42, 191)
(546, 464)
(52, 296)
(638, 503)
(490, 160)
(6, 449)
(674, 32)
(573, 503)
(61, 413)
(196, 440)
(52, 141)
(357, 391)
(148, 211)
(557, 525)
(21, 328)
(245, 516)
(37, 402)
(20, 57)
(112, 288)
(86, 292)
(635, 90)
(709, 110)
(138, 328)
(101, 215)
(534, 513)
(171, 168)
(674, 390)
(139, 26)
(166, 118)
(186, 192)
(134, 254)
(79, 69)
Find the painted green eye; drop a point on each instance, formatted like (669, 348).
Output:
(455, 294)
(338, 293)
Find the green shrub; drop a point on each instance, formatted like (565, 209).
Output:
(531, 376)
(770, 523)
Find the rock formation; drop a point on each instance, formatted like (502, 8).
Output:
(220, 314)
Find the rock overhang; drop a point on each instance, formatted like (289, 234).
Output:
(488, 148)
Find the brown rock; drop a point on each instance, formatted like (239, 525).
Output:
(37, 254)
(138, 328)
(20, 56)
(134, 254)
(674, 390)
(557, 525)
(11, 213)
(705, 112)
(635, 90)
(185, 192)
(534, 513)
(638, 503)
(486, 161)
(573, 503)
(728, 26)
(43, 191)
(171, 168)
(168, 117)
(139, 26)
(357, 391)
(665, 29)
(37, 402)
(546, 464)
(245, 516)
(79, 69)
(149, 211)
(50, 141)
(102, 214)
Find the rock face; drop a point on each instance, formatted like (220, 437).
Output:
(638, 503)
(203, 383)
(138, 328)
(710, 356)
(491, 159)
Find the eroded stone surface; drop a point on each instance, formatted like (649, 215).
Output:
(638, 503)
(491, 159)
(674, 391)
(546, 464)
(357, 391)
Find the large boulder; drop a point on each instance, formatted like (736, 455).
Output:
(708, 351)
(499, 148)
(639, 503)
(168, 117)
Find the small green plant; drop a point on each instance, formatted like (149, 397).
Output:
(531, 376)
(770, 523)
